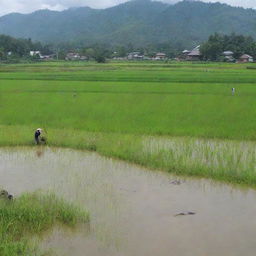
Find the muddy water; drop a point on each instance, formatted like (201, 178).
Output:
(132, 209)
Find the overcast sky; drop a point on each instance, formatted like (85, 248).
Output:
(26, 6)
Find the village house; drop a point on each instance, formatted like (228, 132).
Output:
(47, 57)
(245, 58)
(228, 56)
(228, 53)
(183, 55)
(72, 56)
(160, 56)
(135, 56)
(41, 56)
(194, 55)
(186, 52)
(35, 53)
(75, 56)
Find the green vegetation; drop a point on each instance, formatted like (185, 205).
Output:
(225, 160)
(14, 50)
(30, 215)
(178, 117)
(178, 100)
(139, 23)
(215, 46)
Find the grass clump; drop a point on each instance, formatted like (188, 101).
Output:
(33, 214)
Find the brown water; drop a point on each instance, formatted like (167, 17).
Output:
(132, 209)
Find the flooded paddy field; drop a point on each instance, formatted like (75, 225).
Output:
(133, 211)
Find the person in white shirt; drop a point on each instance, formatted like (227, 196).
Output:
(39, 137)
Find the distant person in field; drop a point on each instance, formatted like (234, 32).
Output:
(39, 137)
(233, 91)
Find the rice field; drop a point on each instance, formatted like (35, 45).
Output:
(178, 117)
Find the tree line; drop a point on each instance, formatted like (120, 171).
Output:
(97, 50)
(12, 48)
(17, 49)
(215, 46)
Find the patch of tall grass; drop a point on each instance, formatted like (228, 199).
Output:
(30, 215)
(226, 160)
(233, 161)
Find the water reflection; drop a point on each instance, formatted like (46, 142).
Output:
(132, 209)
(40, 152)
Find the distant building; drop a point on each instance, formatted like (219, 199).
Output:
(245, 58)
(34, 53)
(135, 56)
(41, 56)
(228, 53)
(47, 57)
(228, 56)
(75, 56)
(183, 55)
(72, 56)
(194, 55)
(160, 56)
(186, 52)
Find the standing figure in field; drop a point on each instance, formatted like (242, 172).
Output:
(233, 91)
(39, 136)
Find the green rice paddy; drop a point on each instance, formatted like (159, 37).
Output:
(178, 117)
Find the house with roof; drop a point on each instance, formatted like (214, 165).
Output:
(186, 52)
(245, 58)
(194, 55)
(228, 56)
(35, 53)
(135, 56)
(160, 56)
(183, 55)
(47, 57)
(72, 56)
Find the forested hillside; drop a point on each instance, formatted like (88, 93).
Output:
(138, 22)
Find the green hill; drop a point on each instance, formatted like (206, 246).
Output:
(138, 22)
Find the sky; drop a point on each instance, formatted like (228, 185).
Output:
(27, 6)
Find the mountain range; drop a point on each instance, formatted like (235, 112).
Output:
(139, 22)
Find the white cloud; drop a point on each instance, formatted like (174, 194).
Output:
(26, 6)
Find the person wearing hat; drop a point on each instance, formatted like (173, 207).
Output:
(39, 138)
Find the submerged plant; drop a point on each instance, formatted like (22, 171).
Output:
(33, 214)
